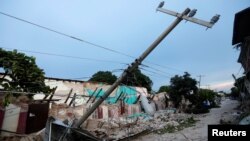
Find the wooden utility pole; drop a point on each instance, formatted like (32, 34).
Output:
(200, 80)
(136, 63)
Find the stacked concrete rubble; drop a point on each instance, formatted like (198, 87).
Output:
(129, 126)
(120, 119)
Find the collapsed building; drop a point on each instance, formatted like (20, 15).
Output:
(241, 39)
(127, 111)
(125, 107)
(123, 101)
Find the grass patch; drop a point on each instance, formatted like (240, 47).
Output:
(171, 129)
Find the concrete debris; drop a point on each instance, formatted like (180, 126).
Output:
(64, 112)
(108, 122)
(38, 136)
(162, 101)
(230, 118)
(149, 107)
(184, 104)
(116, 129)
(93, 124)
(119, 120)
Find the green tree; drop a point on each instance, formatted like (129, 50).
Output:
(103, 76)
(182, 85)
(24, 74)
(206, 94)
(137, 78)
(164, 89)
(235, 92)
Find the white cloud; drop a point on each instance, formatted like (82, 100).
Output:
(225, 86)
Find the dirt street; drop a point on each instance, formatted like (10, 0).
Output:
(197, 132)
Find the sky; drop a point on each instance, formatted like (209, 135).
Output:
(128, 27)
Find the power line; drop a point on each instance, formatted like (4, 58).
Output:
(66, 56)
(158, 70)
(66, 35)
(84, 58)
(155, 73)
(162, 66)
(84, 41)
(169, 68)
(152, 73)
(50, 80)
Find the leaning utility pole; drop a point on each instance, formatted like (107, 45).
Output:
(139, 60)
(189, 17)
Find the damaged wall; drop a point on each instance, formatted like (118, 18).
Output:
(128, 94)
(23, 118)
(241, 39)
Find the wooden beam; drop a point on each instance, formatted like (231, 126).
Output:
(71, 90)
(73, 99)
(92, 95)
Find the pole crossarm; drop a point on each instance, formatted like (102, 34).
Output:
(130, 68)
(191, 19)
(138, 61)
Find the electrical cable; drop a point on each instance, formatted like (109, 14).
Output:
(81, 40)
(66, 56)
(66, 35)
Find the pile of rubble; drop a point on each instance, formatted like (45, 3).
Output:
(106, 124)
(116, 129)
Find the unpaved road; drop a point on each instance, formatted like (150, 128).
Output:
(197, 132)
